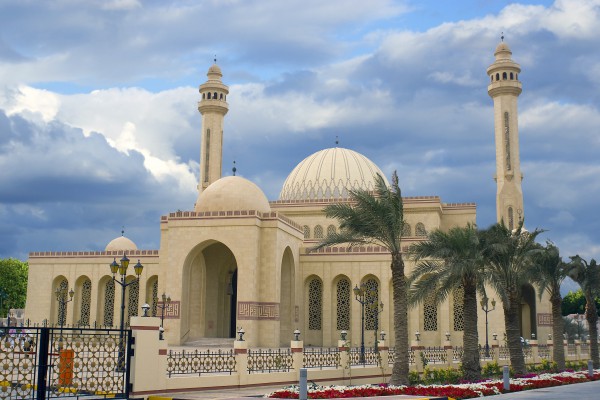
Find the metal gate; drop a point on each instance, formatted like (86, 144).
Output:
(41, 362)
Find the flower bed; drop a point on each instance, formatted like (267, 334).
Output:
(460, 391)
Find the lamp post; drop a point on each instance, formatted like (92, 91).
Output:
(360, 294)
(61, 298)
(121, 269)
(166, 300)
(486, 309)
(377, 309)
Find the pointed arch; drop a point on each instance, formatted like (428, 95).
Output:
(342, 296)
(286, 296)
(152, 295)
(82, 301)
(372, 297)
(60, 308)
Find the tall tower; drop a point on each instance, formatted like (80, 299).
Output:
(213, 107)
(504, 89)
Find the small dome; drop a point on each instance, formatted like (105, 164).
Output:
(329, 174)
(120, 243)
(214, 72)
(502, 51)
(232, 193)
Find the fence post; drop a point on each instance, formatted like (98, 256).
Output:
(297, 347)
(148, 364)
(535, 355)
(578, 349)
(344, 348)
(550, 344)
(240, 348)
(384, 354)
(44, 340)
(449, 352)
(496, 349)
(417, 350)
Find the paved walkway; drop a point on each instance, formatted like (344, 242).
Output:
(579, 391)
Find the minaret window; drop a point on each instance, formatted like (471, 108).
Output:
(203, 96)
(511, 219)
(221, 96)
(511, 75)
(504, 76)
(497, 77)
(215, 96)
(507, 141)
(207, 155)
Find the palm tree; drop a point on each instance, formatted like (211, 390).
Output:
(378, 218)
(548, 272)
(509, 255)
(449, 260)
(588, 277)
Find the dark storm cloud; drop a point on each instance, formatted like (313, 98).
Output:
(58, 184)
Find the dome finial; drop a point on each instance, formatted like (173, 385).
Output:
(123, 231)
(234, 168)
(502, 36)
(337, 141)
(215, 59)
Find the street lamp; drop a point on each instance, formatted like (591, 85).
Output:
(486, 309)
(121, 269)
(61, 298)
(361, 294)
(166, 300)
(377, 309)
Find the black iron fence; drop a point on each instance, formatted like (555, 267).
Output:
(42, 362)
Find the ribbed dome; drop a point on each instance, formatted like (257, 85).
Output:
(329, 174)
(120, 243)
(232, 193)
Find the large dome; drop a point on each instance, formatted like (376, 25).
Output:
(232, 193)
(328, 174)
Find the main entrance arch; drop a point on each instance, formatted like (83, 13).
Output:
(209, 293)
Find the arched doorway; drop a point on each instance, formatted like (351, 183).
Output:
(209, 293)
(528, 311)
(286, 298)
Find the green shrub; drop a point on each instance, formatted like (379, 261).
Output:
(491, 369)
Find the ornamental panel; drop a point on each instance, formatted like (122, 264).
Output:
(343, 305)
(458, 309)
(315, 304)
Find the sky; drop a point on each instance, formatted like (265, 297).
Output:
(99, 127)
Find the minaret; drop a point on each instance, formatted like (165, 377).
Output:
(213, 107)
(504, 89)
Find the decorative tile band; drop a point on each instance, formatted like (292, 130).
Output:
(253, 310)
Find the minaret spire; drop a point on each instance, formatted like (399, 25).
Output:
(213, 107)
(504, 89)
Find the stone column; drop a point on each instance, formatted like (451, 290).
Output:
(384, 354)
(344, 348)
(449, 353)
(496, 349)
(578, 349)
(417, 350)
(240, 348)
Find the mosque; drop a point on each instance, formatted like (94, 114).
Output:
(238, 260)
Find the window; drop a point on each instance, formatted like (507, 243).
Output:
(430, 314)
(315, 304)
(343, 305)
(458, 296)
(420, 229)
(331, 230)
(406, 230)
(318, 232)
(207, 155)
(372, 299)
(62, 305)
(86, 298)
(134, 296)
(511, 219)
(306, 232)
(109, 302)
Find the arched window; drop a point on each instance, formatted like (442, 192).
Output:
(315, 304)
(86, 299)
(306, 231)
(372, 298)
(221, 96)
(215, 94)
(458, 296)
(420, 229)
(318, 232)
(492, 78)
(109, 303)
(511, 75)
(511, 219)
(504, 76)
(343, 305)
(203, 96)
(430, 314)
(134, 296)
(406, 230)
(497, 77)
(331, 230)
(155, 298)
(63, 286)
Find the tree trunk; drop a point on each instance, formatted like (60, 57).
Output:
(400, 369)
(558, 351)
(470, 359)
(513, 336)
(591, 315)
